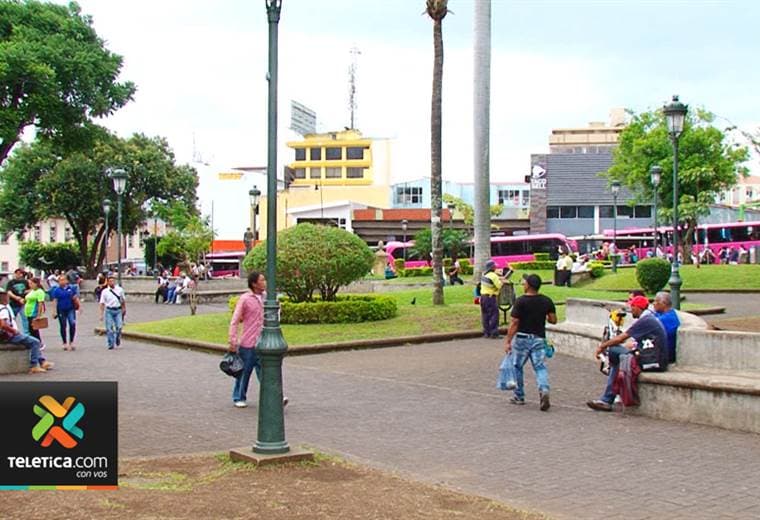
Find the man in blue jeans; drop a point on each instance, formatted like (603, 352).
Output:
(10, 334)
(646, 326)
(113, 308)
(527, 337)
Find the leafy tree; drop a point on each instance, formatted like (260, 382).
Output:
(149, 243)
(709, 162)
(188, 242)
(468, 214)
(454, 242)
(48, 257)
(55, 72)
(44, 179)
(314, 258)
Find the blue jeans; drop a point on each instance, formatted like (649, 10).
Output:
(489, 315)
(67, 319)
(21, 320)
(614, 352)
(250, 362)
(532, 348)
(171, 293)
(113, 326)
(31, 343)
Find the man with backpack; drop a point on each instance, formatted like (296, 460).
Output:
(9, 333)
(649, 345)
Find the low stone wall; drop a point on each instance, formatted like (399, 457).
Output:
(14, 359)
(143, 289)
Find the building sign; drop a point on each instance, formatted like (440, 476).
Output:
(303, 120)
(538, 176)
(58, 434)
(230, 176)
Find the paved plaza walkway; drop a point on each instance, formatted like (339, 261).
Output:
(431, 412)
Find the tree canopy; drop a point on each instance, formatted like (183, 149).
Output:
(45, 179)
(55, 72)
(709, 162)
(190, 236)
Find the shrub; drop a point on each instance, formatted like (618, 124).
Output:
(418, 271)
(596, 269)
(541, 257)
(400, 265)
(533, 266)
(465, 266)
(48, 257)
(345, 309)
(314, 258)
(652, 274)
(447, 264)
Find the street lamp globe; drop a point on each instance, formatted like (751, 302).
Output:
(255, 196)
(675, 114)
(404, 225)
(106, 207)
(615, 188)
(119, 178)
(655, 174)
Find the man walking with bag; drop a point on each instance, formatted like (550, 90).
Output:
(527, 338)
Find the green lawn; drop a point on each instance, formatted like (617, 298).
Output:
(727, 277)
(419, 318)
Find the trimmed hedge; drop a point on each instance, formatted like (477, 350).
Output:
(541, 257)
(533, 266)
(400, 265)
(346, 309)
(465, 266)
(417, 271)
(652, 274)
(596, 269)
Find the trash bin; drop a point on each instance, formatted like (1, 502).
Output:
(753, 255)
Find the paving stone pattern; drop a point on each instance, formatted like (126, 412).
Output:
(431, 412)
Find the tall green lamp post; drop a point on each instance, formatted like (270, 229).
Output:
(119, 178)
(675, 114)
(271, 347)
(655, 173)
(615, 189)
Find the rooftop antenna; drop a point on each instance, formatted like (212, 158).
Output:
(197, 157)
(352, 105)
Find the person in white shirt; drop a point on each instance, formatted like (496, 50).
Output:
(183, 288)
(113, 308)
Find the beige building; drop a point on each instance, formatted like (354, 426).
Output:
(596, 137)
(746, 191)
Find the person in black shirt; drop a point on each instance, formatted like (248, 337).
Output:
(527, 338)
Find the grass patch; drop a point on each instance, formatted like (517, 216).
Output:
(727, 277)
(417, 316)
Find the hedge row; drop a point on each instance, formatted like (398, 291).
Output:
(346, 309)
(464, 266)
(541, 265)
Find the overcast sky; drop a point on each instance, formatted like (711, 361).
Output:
(200, 70)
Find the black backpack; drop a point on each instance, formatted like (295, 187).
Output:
(651, 356)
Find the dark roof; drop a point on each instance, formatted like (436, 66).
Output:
(573, 179)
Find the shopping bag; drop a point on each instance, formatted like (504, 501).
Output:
(231, 364)
(506, 380)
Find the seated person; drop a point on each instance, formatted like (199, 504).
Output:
(646, 326)
(389, 272)
(453, 273)
(663, 309)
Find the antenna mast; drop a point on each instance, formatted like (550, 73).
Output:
(352, 105)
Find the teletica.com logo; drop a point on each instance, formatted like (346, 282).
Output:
(46, 430)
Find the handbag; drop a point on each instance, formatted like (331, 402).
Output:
(231, 364)
(39, 323)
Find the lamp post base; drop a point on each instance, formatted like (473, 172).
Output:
(675, 287)
(263, 459)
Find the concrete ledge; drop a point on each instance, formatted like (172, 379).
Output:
(710, 381)
(14, 359)
(259, 459)
(298, 350)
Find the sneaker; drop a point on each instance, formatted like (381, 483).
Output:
(241, 404)
(36, 369)
(118, 340)
(72, 347)
(285, 402)
(47, 365)
(65, 347)
(544, 401)
(516, 400)
(599, 406)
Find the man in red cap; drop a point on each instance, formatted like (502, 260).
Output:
(646, 326)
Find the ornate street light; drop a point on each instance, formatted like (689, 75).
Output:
(451, 207)
(106, 212)
(404, 227)
(655, 173)
(255, 196)
(675, 114)
(119, 177)
(615, 189)
(270, 439)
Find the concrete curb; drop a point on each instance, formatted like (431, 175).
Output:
(300, 350)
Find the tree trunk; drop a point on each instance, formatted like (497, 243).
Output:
(687, 240)
(436, 227)
(482, 131)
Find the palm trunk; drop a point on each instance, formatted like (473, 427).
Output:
(482, 130)
(435, 164)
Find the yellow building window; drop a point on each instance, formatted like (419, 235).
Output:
(333, 173)
(355, 152)
(354, 173)
(300, 154)
(315, 154)
(333, 153)
(299, 173)
(315, 173)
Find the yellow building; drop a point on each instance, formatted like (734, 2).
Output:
(331, 174)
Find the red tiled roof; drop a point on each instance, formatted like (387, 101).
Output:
(397, 214)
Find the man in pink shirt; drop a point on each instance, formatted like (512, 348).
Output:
(249, 312)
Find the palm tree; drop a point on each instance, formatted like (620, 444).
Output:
(482, 127)
(437, 10)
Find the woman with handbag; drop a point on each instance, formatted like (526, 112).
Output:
(34, 310)
(66, 300)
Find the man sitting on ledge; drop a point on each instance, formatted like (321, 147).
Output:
(646, 326)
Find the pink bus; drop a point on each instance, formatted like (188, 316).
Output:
(731, 235)
(516, 248)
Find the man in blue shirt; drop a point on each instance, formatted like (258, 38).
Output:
(66, 299)
(663, 309)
